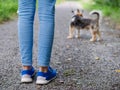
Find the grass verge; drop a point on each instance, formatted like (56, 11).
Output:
(8, 9)
(59, 1)
(112, 12)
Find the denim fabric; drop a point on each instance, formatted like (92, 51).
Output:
(46, 12)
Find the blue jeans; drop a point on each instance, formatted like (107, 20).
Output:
(46, 12)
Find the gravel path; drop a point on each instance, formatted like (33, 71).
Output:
(81, 64)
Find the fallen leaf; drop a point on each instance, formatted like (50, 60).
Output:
(69, 72)
(117, 70)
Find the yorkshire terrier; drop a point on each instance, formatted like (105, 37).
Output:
(79, 22)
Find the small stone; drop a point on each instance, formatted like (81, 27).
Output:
(78, 77)
(67, 46)
(74, 79)
(58, 63)
(110, 60)
(76, 49)
(97, 58)
(117, 26)
(61, 81)
(105, 44)
(78, 83)
(69, 59)
(115, 55)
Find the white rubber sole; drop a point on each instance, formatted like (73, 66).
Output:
(42, 80)
(27, 78)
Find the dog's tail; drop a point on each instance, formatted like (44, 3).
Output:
(98, 13)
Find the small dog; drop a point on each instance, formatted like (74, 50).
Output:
(79, 22)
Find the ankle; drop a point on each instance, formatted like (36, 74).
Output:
(26, 67)
(43, 69)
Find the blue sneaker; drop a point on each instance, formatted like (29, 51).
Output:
(44, 78)
(26, 75)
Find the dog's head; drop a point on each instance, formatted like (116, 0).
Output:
(78, 12)
(77, 15)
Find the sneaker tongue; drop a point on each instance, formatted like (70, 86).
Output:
(50, 69)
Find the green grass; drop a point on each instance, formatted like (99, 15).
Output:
(59, 1)
(8, 9)
(107, 10)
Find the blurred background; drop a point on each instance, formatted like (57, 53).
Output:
(110, 8)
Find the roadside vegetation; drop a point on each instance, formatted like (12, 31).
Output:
(8, 9)
(59, 1)
(110, 8)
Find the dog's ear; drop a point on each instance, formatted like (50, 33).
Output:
(82, 11)
(72, 11)
(78, 10)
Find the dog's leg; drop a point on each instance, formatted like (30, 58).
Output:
(71, 30)
(78, 33)
(93, 33)
(99, 35)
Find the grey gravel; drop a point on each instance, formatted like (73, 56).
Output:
(74, 59)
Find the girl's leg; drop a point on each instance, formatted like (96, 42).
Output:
(26, 13)
(46, 11)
